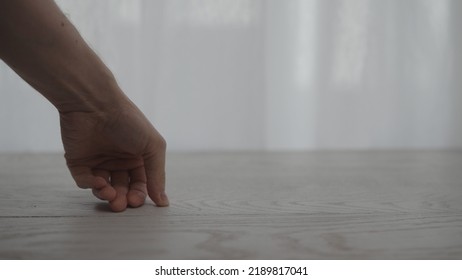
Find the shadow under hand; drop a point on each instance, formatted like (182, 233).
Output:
(103, 207)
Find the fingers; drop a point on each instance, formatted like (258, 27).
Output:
(85, 179)
(97, 181)
(130, 188)
(119, 180)
(127, 188)
(155, 174)
(138, 192)
(106, 192)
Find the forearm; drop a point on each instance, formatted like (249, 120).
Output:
(45, 49)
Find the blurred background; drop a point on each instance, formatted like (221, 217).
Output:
(268, 75)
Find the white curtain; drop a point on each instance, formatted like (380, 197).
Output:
(295, 74)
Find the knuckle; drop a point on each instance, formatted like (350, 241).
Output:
(161, 143)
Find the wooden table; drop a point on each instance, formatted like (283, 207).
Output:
(244, 205)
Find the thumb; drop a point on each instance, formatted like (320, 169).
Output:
(155, 173)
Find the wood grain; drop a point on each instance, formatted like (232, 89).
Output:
(244, 205)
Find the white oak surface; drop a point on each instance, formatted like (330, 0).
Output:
(244, 205)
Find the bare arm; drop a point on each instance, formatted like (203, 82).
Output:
(109, 145)
(45, 49)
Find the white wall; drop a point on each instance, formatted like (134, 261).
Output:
(240, 74)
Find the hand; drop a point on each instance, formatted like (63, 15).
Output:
(110, 146)
(118, 154)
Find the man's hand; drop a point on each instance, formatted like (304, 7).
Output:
(110, 146)
(118, 154)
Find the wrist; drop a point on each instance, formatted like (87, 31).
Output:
(96, 96)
